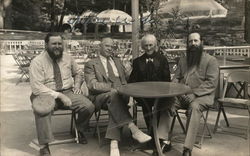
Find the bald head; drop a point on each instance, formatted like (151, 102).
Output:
(107, 40)
(149, 37)
(149, 44)
(106, 47)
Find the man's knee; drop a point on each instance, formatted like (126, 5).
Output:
(88, 105)
(42, 105)
(195, 106)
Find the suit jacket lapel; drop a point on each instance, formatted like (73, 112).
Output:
(119, 69)
(100, 67)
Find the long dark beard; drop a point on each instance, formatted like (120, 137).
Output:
(194, 56)
(53, 56)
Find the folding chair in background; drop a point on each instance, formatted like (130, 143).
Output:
(238, 80)
(23, 63)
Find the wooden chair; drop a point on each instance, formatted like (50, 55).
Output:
(238, 80)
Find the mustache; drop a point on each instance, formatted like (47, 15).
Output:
(58, 48)
(194, 48)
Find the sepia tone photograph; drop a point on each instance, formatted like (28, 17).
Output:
(124, 77)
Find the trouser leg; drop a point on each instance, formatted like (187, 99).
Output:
(118, 109)
(118, 112)
(43, 122)
(43, 129)
(113, 130)
(147, 114)
(194, 123)
(165, 108)
(83, 107)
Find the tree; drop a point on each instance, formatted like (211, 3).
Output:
(247, 21)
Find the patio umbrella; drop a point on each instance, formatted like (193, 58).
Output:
(113, 17)
(88, 14)
(87, 17)
(192, 9)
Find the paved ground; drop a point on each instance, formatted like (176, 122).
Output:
(18, 129)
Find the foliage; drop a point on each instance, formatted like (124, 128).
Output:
(165, 29)
(25, 13)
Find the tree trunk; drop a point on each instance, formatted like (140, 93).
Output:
(52, 7)
(59, 28)
(247, 21)
(141, 19)
(7, 14)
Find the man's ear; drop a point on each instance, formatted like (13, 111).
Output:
(202, 42)
(156, 48)
(46, 46)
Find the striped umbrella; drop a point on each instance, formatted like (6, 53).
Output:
(192, 9)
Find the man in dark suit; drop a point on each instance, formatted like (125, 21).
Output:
(200, 72)
(104, 75)
(153, 66)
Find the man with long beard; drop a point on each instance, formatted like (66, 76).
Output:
(55, 81)
(200, 72)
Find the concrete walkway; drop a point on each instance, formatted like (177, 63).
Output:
(18, 127)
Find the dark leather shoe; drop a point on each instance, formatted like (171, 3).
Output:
(45, 151)
(82, 138)
(166, 147)
(187, 152)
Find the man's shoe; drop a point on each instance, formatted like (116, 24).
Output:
(114, 150)
(45, 151)
(141, 137)
(82, 138)
(137, 134)
(165, 147)
(187, 152)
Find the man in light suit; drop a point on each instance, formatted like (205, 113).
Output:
(200, 72)
(104, 75)
(55, 81)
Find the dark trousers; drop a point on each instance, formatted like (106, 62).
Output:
(82, 106)
(164, 115)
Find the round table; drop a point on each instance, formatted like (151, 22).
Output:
(155, 90)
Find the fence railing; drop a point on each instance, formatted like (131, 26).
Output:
(221, 51)
(11, 46)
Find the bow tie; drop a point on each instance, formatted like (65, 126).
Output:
(149, 59)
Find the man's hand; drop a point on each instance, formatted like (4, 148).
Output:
(191, 97)
(186, 99)
(77, 90)
(66, 100)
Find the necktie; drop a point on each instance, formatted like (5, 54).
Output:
(111, 74)
(57, 76)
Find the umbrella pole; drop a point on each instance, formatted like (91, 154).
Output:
(96, 30)
(135, 28)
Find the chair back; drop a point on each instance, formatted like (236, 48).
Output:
(241, 77)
